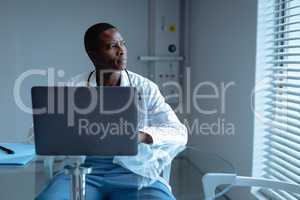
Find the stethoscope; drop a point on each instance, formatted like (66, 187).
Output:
(130, 83)
(90, 76)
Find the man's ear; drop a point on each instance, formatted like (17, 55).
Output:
(92, 55)
(95, 58)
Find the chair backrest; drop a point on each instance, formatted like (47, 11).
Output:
(166, 174)
(212, 180)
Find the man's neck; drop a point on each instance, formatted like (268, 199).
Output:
(108, 79)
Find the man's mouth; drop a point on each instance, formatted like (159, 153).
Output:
(122, 61)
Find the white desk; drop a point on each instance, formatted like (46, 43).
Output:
(22, 182)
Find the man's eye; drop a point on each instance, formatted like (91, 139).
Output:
(115, 45)
(110, 46)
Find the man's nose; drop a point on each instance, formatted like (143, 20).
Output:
(121, 52)
(121, 49)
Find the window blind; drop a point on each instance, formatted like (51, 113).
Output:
(278, 63)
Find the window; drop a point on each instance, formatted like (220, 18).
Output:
(277, 95)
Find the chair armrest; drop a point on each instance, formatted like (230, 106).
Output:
(212, 180)
(166, 174)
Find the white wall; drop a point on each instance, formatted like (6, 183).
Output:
(43, 34)
(222, 49)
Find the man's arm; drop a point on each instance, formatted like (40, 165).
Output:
(163, 126)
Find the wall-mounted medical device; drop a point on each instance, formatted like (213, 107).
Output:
(164, 47)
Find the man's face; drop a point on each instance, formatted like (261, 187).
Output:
(112, 52)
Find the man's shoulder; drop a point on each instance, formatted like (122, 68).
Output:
(79, 79)
(140, 80)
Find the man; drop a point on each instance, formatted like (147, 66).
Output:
(161, 135)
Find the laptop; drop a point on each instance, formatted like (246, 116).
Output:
(99, 121)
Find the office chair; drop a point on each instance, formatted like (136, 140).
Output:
(212, 180)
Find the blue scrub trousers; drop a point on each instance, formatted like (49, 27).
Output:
(107, 180)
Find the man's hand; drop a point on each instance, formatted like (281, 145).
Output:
(144, 138)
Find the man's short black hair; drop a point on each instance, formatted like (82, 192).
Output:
(91, 36)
